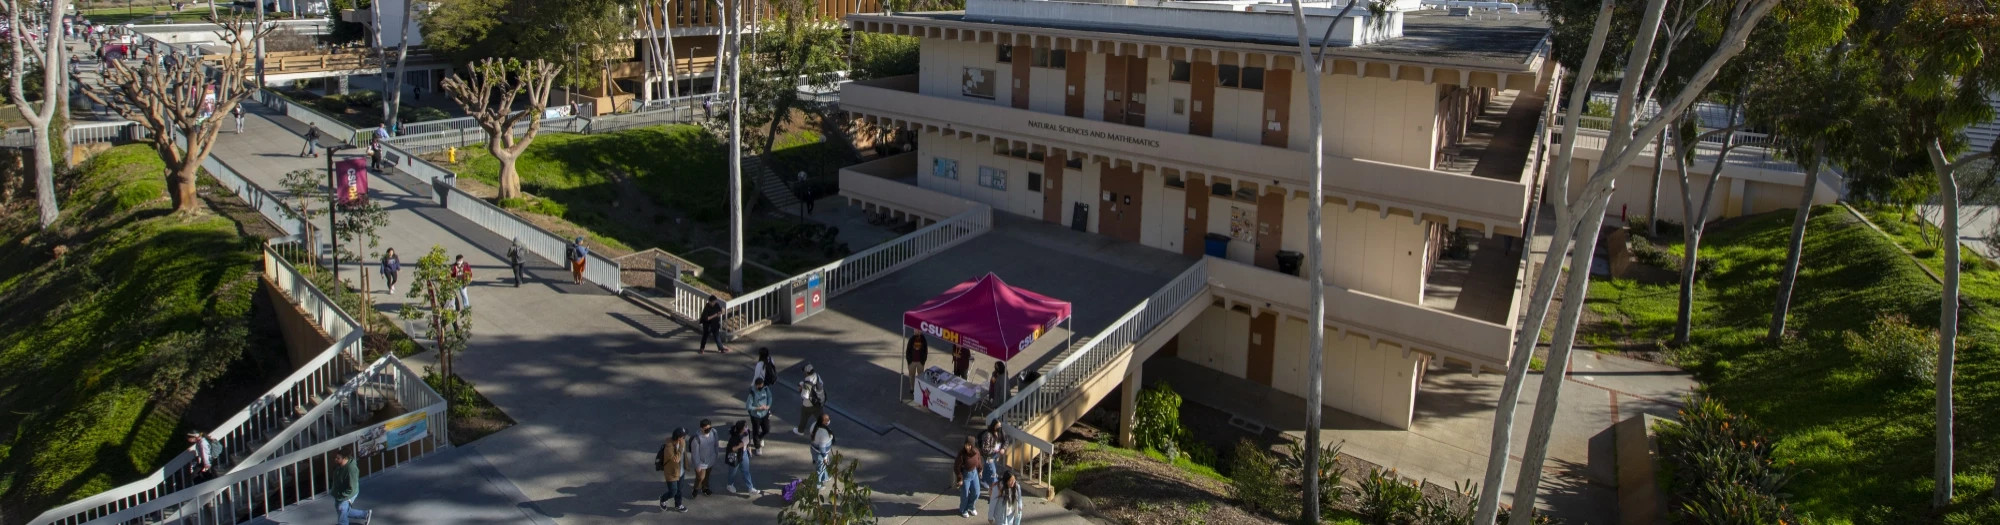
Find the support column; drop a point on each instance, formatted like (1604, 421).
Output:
(342, 83)
(1128, 403)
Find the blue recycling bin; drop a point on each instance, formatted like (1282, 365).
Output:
(1216, 245)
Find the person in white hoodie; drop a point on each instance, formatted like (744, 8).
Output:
(703, 448)
(1005, 503)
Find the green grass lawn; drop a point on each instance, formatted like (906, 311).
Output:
(679, 166)
(103, 353)
(1864, 444)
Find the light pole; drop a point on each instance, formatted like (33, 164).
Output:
(333, 207)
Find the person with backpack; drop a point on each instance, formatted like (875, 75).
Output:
(822, 446)
(992, 446)
(812, 400)
(738, 458)
(238, 113)
(205, 454)
(577, 255)
(392, 267)
(758, 403)
(514, 261)
(702, 448)
(312, 141)
(764, 369)
(711, 325)
(462, 271)
(669, 463)
(1005, 502)
(965, 470)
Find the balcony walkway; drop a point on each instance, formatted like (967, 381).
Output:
(1497, 144)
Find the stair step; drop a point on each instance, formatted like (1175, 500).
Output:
(1073, 347)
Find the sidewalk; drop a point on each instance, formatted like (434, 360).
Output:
(595, 383)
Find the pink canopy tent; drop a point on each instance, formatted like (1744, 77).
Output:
(988, 316)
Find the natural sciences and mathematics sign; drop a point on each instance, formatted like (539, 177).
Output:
(1094, 133)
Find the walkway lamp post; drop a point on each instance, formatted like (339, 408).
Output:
(333, 207)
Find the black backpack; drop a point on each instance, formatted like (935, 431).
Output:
(660, 459)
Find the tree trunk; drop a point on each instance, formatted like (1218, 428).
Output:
(1556, 368)
(1947, 325)
(1793, 248)
(1690, 247)
(45, 175)
(1315, 283)
(181, 186)
(510, 180)
(382, 73)
(1653, 197)
(402, 75)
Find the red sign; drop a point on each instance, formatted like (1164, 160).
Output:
(351, 181)
(798, 306)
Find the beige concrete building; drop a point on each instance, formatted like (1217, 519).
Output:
(1182, 126)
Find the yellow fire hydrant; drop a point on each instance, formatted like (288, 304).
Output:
(451, 154)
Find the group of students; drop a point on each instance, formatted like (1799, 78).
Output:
(977, 470)
(916, 352)
(696, 453)
(392, 269)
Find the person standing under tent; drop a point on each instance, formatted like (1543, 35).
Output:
(916, 351)
(961, 360)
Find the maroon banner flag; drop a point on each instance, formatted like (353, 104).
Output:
(351, 181)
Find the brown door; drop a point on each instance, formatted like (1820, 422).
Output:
(1270, 227)
(1024, 56)
(1263, 347)
(1135, 90)
(1052, 176)
(1201, 110)
(1073, 78)
(1196, 225)
(1277, 107)
(1120, 216)
(1114, 89)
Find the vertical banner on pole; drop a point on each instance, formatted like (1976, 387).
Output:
(351, 181)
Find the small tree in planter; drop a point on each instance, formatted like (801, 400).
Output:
(845, 503)
(431, 288)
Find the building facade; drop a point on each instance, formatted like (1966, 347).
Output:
(1183, 126)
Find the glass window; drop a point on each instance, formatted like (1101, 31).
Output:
(1253, 78)
(1034, 182)
(1058, 59)
(1041, 57)
(1227, 74)
(1178, 71)
(992, 178)
(1180, 106)
(977, 83)
(1006, 53)
(944, 167)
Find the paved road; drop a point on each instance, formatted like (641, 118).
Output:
(595, 382)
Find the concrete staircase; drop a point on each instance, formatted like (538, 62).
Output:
(774, 189)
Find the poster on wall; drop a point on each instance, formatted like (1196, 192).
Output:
(1240, 221)
(404, 430)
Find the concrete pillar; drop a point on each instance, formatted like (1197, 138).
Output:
(646, 91)
(1128, 403)
(342, 83)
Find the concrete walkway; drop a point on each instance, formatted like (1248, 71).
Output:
(595, 383)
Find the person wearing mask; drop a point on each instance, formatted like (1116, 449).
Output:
(812, 399)
(965, 469)
(822, 446)
(345, 484)
(703, 448)
(711, 325)
(514, 260)
(758, 403)
(738, 458)
(392, 267)
(462, 271)
(1005, 502)
(961, 360)
(992, 445)
(669, 462)
(916, 351)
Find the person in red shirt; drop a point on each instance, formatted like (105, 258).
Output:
(462, 271)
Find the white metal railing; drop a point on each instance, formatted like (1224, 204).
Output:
(1756, 150)
(266, 203)
(84, 133)
(356, 401)
(328, 124)
(301, 475)
(754, 310)
(1044, 394)
(1035, 465)
(600, 270)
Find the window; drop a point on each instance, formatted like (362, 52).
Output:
(1175, 181)
(977, 83)
(992, 178)
(1000, 148)
(944, 167)
(1253, 78)
(1034, 182)
(1005, 53)
(1219, 188)
(1059, 59)
(1075, 163)
(1180, 106)
(1041, 58)
(1177, 71)
(1227, 75)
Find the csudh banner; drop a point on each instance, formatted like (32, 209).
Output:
(351, 181)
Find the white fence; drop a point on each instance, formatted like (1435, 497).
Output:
(760, 308)
(266, 203)
(605, 272)
(328, 125)
(84, 133)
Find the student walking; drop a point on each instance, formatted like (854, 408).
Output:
(965, 469)
(237, 112)
(711, 325)
(822, 446)
(916, 351)
(758, 403)
(462, 271)
(702, 448)
(312, 141)
(345, 483)
(576, 256)
(392, 268)
(1005, 502)
(668, 462)
(204, 457)
(514, 261)
(738, 458)
(992, 445)
(812, 399)
(764, 369)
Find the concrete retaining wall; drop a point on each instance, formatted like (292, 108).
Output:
(1642, 500)
(304, 340)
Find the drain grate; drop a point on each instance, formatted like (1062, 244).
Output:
(1248, 425)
